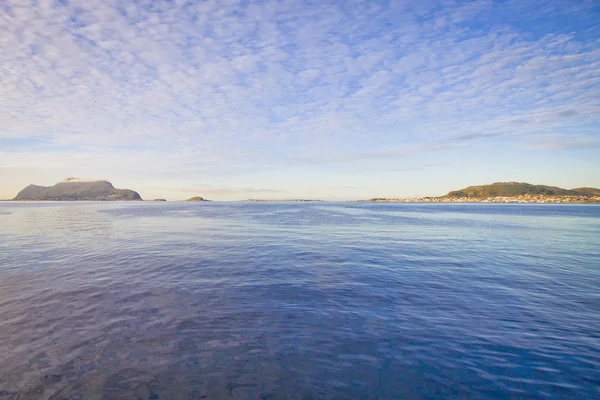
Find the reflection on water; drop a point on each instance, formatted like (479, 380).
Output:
(299, 301)
(65, 220)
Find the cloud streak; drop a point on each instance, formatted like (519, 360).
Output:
(565, 142)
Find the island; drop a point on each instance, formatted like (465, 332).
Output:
(506, 192)
(160, 200)
(74, 189)
(197, 198)
(282, 200)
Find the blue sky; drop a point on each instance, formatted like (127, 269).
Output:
(231, 99)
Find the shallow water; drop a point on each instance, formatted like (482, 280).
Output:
(299, 301)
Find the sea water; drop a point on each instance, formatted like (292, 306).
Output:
(299, 301)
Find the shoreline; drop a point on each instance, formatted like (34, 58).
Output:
(496, 200)
(521, 199)
(595, 200)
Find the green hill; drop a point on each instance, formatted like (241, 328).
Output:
(509, 189)
(588, 191)
(197, 198)
(77, 190)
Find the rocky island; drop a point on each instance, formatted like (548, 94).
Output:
(197, 198)
(74, 189)
(507, 192)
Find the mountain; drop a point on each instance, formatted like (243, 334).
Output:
(509, 189)
(197, 198)
(77, 190)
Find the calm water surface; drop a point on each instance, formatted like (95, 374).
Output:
(299, 301)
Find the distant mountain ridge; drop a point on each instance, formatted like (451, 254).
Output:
(510, 189)
(77, 190)
(588, 190)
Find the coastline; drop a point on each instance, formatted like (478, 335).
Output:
(431, 200)
(522, 199)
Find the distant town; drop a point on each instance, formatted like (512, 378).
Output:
(507, 192)
(492, 199)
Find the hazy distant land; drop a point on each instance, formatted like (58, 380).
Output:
(500, 192)
(282, 201)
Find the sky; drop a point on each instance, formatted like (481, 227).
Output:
(334, 100)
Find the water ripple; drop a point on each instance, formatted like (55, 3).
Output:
(298, 301)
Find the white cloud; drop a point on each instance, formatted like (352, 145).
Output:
(211, 84)
(555, 141)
